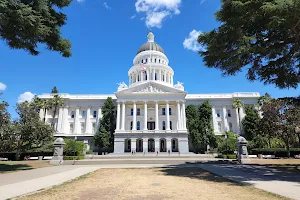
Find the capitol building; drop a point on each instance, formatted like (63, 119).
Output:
(151, 112)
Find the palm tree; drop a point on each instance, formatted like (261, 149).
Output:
(41, 104)
(238, 104)
(56, 102)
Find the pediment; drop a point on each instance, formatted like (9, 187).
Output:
(151, 88)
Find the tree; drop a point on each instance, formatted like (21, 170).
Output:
(230, 144)
(54, 90)
(280, 118)
(72, 146)
(6, 142)
(28, 131)
(264, 99)
(107, 125)
(26, 23)
(56, 102)
(250, 122)
(193, 126)
(238, 104)
(261, 36)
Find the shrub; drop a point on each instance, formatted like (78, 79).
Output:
(12, 155)
(278, 152)
(221, 141)
(89, 152)
(74, 145)
(230, 156)
(73, 157)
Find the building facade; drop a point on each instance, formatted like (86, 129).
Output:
(150, 109)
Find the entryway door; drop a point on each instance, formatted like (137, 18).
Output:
(151, 125)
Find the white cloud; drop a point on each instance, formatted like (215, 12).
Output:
(133, 16)
(191, 42)
(2, 86)
(106, 6)
(80, 1)
(26, 96)
(157, 10)
(202, 1)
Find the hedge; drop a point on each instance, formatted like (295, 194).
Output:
(73, 157)
(12, 155)
(278, 152)
(230, 156)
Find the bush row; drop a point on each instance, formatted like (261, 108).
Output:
(279, 152)
(73, 157)
(12, 155)
(230, 156)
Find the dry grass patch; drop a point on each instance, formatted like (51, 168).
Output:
(13, 166)
(152, 184)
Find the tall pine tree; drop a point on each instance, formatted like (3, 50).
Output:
(250, 122)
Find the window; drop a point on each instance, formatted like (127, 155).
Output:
(83, 114)
(82, 127)
(229, 113)
(171, 125)
(138, 111)
(218, 113)
(131, 111)
(94, 114)
(219, 127)
(159, 60)
(155, 76)
(72, 114)
(131, 124)
(145, 75)
(230, 127)
(146, 60)
(170, 111)
(71, 128)
(163, 111)
(94, 127)
(155, 60)
(163, 77)
(138, 77)
(138, 125)
(164, 125)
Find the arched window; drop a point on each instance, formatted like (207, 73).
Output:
(138, 77)
(164, 125)
(170, 111)
(131, 124)
(163, 78)
(155, 60)
(138, 125)
(171, 125)
(155, 76)
(131, 111)
(159, 61)
(145, 75)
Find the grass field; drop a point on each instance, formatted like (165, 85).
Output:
(13, 166)
(152, 184)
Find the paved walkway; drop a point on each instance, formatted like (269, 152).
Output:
(282, 182)
(24, 182)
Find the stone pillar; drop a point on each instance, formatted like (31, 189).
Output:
(59, 120)
(134, 117)
(119, 145)
(168, 116)
(118, 116)
(169, 144)
(157, 148)
(99, 117)
(145, 145)
(183, 116)
(156, 116)
(225, 122)
(123, 116)
(242, 149)
(88, 121)
(133, 144)
(178, 116)
(214, 119)
(58, 158)
(65, 125)
(145, 115)
(77, 123)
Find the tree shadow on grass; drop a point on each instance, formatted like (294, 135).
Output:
(4, 168)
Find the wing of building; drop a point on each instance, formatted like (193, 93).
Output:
(150, 109)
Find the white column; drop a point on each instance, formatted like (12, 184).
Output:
(184, 116)
(148, 75)
(145, 115)
(142, 78)
(99, 117)
(215, 126)
(129, 79)
(156, 143)
(172, 82)
(59, 120)
(165, 73)
(136, 76)
(133, 144)
(145, 144)
(225, 122)
(237, 121)
(153, 74)
(156, 116)
(178, 116)
(88, 121)
(41, 114)
(169, 144)
(123, 116)
(159, 77)
(134, 117)
(65, 125)
(168, 116)
(77, 123)
(118, 116)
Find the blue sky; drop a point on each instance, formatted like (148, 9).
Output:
(106, 35)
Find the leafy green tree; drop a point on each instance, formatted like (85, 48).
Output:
(29, 131)
(250, 122)
(264, 99)
(192, 122)
(56, 102)
(26, 23)
(6, 140)
(107, 125)
(222, 143)
(238, 104)
(259, 36)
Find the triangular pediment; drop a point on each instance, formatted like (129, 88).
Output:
(151, 87)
